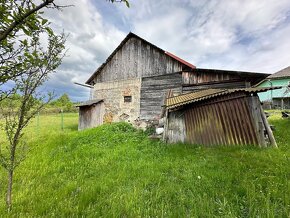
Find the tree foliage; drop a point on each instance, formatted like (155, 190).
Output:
(29, 52)
(21, 23)
(125, 1)
(64, 103)
(41, 62)
(27, 64)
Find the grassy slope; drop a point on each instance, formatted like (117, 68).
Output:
(115, 170)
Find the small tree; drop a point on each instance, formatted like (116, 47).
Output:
(35, 72)
(63, 102)
(24, 62)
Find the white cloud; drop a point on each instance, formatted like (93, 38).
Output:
(247, 35)
(241, 35)
(90, 40)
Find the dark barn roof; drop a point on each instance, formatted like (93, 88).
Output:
(192, 97)
(131, 35)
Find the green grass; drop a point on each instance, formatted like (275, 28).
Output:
(116, 171)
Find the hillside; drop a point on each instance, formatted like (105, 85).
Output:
(115, 170)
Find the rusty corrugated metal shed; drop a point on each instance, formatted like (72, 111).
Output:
(228, 121)
(192, 97)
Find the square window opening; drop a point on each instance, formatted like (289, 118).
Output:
(127, 99)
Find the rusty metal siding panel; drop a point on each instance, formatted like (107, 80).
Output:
(225, 122)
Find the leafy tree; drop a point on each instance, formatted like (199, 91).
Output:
(125, 1)
(64, 99)
(20, 23)
(25, 62)
(63, 102)
(43, 62)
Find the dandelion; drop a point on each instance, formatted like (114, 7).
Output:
(199, 177)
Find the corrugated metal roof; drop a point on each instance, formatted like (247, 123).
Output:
(280, 74)
(192, 97)
(130, 35)
(89, 103)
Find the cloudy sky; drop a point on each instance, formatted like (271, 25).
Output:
(245, 35)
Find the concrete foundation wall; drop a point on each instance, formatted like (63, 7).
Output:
(116, 109)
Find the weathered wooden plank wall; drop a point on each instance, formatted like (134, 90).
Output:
(194, 78)
(91, 116)
(153, 92)
(214, 85)
(255, 109)
(175, 129)
(137, 59)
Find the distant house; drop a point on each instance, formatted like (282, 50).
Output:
(134, 80)
(279, 98)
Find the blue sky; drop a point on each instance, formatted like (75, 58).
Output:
(245, 35)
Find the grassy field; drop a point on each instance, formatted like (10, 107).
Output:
(115, 171)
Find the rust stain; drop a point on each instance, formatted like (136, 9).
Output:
(108, 117)
(126, 92)
(221, 123)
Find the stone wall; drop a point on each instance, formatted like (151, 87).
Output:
(113, 93)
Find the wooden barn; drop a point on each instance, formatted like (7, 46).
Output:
(218, 117)
(135, 78)
(91, 114)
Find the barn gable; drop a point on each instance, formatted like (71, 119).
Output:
(137, 58)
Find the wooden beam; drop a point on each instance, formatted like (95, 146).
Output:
(268, 129)
(255, 109)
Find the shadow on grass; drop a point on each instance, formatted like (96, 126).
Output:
(72, 127)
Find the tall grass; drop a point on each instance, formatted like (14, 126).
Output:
(116, 171)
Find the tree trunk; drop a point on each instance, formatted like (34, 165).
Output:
(9, 190)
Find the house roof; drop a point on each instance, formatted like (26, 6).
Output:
(89, 103)
(131, 35)
(193, 97)
(280, 74)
